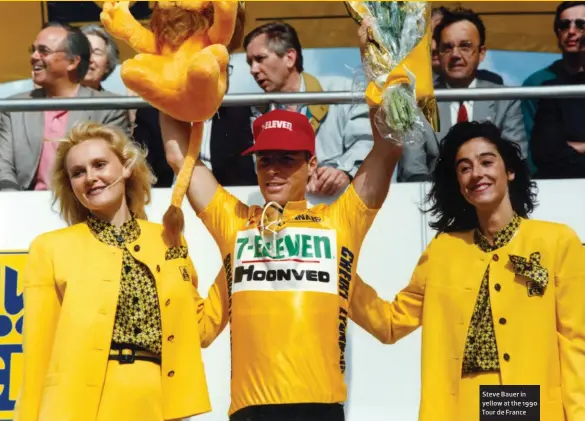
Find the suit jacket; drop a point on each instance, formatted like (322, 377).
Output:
(231, 134)
(71, 288)
(147, 132)
(558, 121)
(544, 335)
(482, 74)
(505, 114)
(419, 159)
(21, 137)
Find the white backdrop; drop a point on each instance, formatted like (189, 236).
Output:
(383, 381)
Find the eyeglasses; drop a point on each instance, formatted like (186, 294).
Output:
(43, 50)
(565, 24)
(230, 69)
(466, 48)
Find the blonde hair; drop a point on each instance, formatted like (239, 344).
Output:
(132, 156)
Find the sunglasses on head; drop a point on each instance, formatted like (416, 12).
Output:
(565, 24)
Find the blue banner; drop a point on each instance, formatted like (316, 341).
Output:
(11, 324)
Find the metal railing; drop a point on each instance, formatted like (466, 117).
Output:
(232, 100)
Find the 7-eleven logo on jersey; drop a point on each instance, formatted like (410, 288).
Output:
(294, 259)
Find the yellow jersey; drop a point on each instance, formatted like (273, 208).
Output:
(286, 296)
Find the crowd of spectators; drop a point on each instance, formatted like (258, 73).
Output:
(73, 62)
(547, 130)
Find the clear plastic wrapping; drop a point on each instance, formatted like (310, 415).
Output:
(396, 30)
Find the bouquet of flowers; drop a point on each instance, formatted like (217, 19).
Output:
(397, 65)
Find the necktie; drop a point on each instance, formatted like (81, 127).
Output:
(462, 114)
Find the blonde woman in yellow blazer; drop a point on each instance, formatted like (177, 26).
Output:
(111, 314)
(500, 298)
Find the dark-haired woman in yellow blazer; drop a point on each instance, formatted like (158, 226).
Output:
(500, 298)
(111, 313)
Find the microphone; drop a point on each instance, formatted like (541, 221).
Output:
(127, 167)
(115, 182)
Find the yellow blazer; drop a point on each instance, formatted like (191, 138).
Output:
(543, 335)
(71, 286)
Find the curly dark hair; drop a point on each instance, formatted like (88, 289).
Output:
(449, 207)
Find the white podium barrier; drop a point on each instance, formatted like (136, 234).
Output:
(383, 381)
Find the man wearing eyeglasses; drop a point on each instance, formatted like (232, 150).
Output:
(59, 58)
(461, 47)
(436, 17)
(568, 27)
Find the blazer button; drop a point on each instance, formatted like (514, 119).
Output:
(496, 257)
(507, 356)
(158, 268)
(136, 247)
(502, 321)
(497, 287)
(171, 338)
(168, 302)
(171, 373)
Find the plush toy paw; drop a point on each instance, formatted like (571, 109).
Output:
(115, 17)
(225, 16)
(206, 81)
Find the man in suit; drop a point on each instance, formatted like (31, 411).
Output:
(483, 74)
(461, 38)
(60, 58)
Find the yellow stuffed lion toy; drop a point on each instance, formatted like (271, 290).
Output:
(181, 70)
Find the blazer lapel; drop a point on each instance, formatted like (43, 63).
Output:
(34, 125)
(444, 108)
(484, 110)
(76, 116)
(444, 119)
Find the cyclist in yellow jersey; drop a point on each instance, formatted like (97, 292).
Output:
(289, 269)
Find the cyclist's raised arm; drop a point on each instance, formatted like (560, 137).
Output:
(372, 181)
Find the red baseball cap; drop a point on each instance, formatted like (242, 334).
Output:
(281, 130)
